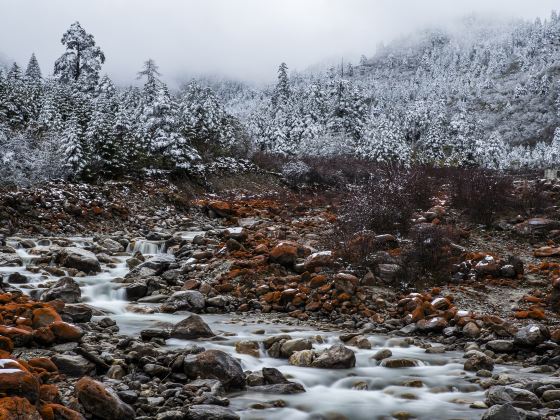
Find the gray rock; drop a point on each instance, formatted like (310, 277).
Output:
(382, 354)
(10, 260)
(210, 412)
(191, 328)
(518, 397)
(286, 388)
(77, 312)
(80, 259)
(17, 278)
(551, 395)
(336, 357)
(72, 365)
(65, 289)
(111, 245)
(502, 412)
(191, 300)
(273, 376)
(289, 347)
(215, 364)
(135, 291)
(500, 346)
(531, 335)
(476, 360)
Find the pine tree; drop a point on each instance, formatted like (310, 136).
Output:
(100, 135)
(282, 90)
(152, 84)
(160, 126)
(33, 71)
(17, 104)
(81, 63)
(71, 147)
(492, 152)
(384, 142)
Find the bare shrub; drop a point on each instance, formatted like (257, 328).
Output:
(481, 193)
(427, 260)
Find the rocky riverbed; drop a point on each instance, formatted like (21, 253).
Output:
(237, 311)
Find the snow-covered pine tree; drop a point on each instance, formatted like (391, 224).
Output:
(152, 85)
(492, 153)
(33, 73)
(82, 61)
(33, 81)
(282, 90)
(71, 146)
(160, 125)
(100, 134)
(384, 142)
(17, 104)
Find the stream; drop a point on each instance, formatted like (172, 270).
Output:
(369, 391)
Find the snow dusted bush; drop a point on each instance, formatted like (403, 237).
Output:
(26, 161)
(296, 172)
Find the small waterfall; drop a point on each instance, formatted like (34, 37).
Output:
(146, 247)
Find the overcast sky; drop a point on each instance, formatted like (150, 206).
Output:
(243, 39)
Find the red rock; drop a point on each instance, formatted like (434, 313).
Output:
(59, 412)
(43, 317)
(49, 393)
(6, 344)
(65, 332)
(101, 401)
(285, 253)
(346, 282)
(15, 381)
(317, 281)
(19, 337)
(17, 409)
(547, 251)
(44, 336)
(43, 363)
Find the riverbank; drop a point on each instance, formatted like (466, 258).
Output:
(272, 295)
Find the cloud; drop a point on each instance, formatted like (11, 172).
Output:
(244, 39)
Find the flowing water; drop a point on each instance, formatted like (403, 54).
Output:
(368, 391)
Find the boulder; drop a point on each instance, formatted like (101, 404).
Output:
(500, 346)
(477, 360)
(72, 365)
(399, 363)
(135, 291)
(210, 412)
(65, 289)
(10, 260)
(285, 253)
(531, 335)
(78, 312)
(247, 347)
(191, 328)
(284, 388)
(101, 401)
(17, 278)
(346, 282)
(43, 317)
(302, 358)
(65, 332)
(318, 259)
(518, 397)
(289, 347)
(215, 364)
(80, 259)
(15, 381)
(335, 357)
(14, 408)
(190, 300)
(502, 412)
